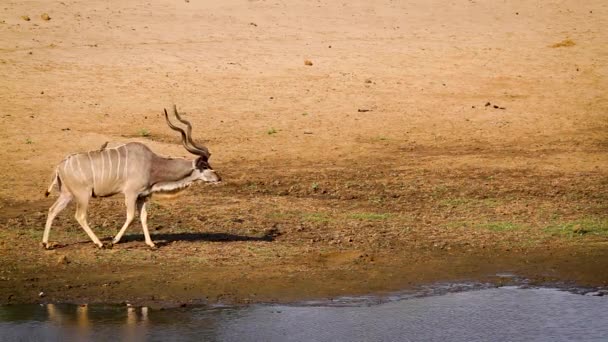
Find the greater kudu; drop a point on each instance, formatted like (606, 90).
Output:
(132, 169)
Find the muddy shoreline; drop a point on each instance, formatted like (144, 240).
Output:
(259, 240)
(171, 285)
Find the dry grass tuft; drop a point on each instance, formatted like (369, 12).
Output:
(564, 43)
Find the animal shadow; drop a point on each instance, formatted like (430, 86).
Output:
(164, 239)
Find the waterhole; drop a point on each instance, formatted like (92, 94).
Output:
(469, 313)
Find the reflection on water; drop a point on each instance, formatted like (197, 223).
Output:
(495, 314)
(63, 322)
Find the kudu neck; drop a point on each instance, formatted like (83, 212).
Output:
(170, 170)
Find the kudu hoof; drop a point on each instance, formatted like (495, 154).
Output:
(107, 245)
(48, 245)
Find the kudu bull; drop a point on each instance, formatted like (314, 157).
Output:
(132, 169)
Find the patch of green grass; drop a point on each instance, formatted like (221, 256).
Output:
(30, 232)
(143, 132)
(271, 131)
(28, 141)
(469, 202)
(369, 216)
(501, 226)
(280, 215)
(316, 217)
(586, 226)
(497, 226)
(315, 186)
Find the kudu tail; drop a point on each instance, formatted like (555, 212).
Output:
(56, 180)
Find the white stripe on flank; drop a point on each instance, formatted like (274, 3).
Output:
(118, 167)
(92, 168)
(103, 167)
(126, 163)
(83, 177)
(71, 164)
(65, 165)
(110, 169)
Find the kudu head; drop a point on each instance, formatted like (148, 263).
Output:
(201, 164)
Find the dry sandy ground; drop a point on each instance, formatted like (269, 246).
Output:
(428, 141)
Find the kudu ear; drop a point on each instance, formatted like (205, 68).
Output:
(202, 163)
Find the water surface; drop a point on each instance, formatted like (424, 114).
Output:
(488, 314)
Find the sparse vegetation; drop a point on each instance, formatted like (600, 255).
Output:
(586, 226)
(369, 216)
(271, 131)
(143, 132)
(564, 43)
(440, 191)
(467, 202)
(280, 215)
(494, 226)
(316, 217)
(501, 226)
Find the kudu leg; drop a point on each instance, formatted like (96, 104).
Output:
(60, 204)
(143, 216)
(81, 217)
(130, 203)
